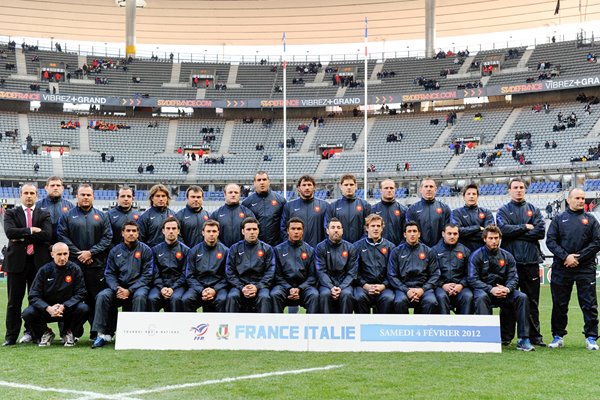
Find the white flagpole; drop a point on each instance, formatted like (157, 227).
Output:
(365, 109)
(284, 121)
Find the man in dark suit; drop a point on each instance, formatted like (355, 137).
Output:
(29, 231)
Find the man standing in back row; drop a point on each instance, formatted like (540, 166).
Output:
(471, 219)
(87, 232)
(267, 206)
(350, 210)
(574, 239)
(430, 214)
(522, 226)
(392, 212)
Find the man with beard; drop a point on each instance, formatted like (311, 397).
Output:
(87, 232)
(453, 260)
(308, 209)
(430, 214)
(413, 273)
(150, 222)
(169, 269)
(349, 210)
(493, 278)
(267, 207)
(121, 213)
(57, 294)
(54, 202)
(205, 273)
(231, 215)
(250, 271)
(471, 219)
(392, 212)
(336, 264)
(129, 272)
(295, 275)
(193, 216)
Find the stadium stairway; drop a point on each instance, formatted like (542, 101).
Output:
(227, 134)
(320, 171)
(175, 72)
(376, 69)
(464, 68)
(341, 91)
(81, 59)
(308, 139)
(453, 163)
(21, 62)
(595, 131)
(84, 136)
(525, 58)
(501, 135)
(319, 76)
(360, 141)
(232, 77)
(447, 132)
(172, 135)
(200, 93)
(57, 166)
(23, 127)
(192, 176)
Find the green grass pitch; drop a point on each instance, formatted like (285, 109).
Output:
(567, 373)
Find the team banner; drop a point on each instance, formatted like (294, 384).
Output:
(308, 332)
(417, 96)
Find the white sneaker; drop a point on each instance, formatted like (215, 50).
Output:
(27, 338)
(68, 339)
(590, 343)
(47, 338)
(557, 341)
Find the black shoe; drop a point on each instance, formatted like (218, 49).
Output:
(506, 342)
(9, 343)
(538, 342)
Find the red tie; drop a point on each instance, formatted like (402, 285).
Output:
(28, 214)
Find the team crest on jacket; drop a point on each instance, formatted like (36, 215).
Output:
(481, 216)
(460, 255)
(317, 209)
(397, 213)
(304, 255)
(529, 213)
(219, 255)
(96, 217)
(261, 253)
(273, 203)
(68, 279)
(438, 210)
(359, 208)
(65, 209)
(422, 255)
(585, 221)
(136, 217)
(384, 250)
(502, 262)
(178, 255)
(242, 215)
(205, 217)
(344, 253)
(138, 254)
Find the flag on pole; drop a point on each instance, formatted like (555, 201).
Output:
(366, 33)
(557, 9)
(284, 61)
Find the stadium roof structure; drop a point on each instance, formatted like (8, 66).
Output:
(261, 22)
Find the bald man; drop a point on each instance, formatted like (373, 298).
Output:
(574, 239)
(57, 295)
